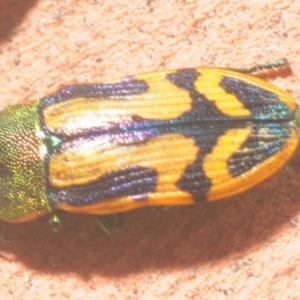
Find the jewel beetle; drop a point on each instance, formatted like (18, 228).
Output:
(156, 139)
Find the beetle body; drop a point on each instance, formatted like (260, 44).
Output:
(165, 138)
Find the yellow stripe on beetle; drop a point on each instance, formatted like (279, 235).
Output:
(215, 165)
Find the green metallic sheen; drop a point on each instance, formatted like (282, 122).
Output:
(55, 222)
(22, 164)
(54, 141)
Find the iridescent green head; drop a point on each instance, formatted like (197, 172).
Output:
(22, 170)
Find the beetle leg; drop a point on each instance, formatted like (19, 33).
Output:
(111, 224)
(56, 221)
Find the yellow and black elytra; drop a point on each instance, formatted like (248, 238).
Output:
(163, 138)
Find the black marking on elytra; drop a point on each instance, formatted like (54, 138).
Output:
(263, 104)
(270, 131)
(184, 78)
(202, 109)
(201, 124)
(128, 86)
(264, 141)
(135, 182)
(194, 179)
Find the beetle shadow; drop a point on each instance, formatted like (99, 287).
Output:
(12, 13)
(178, 238)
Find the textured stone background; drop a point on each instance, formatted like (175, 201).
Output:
(245, 248)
